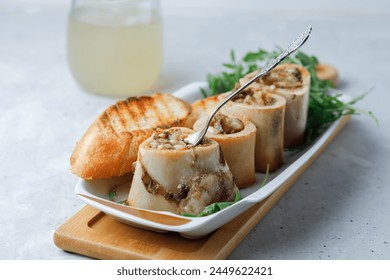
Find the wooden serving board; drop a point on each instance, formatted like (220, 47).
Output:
(92, 233)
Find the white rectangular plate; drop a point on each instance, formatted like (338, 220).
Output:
(95, 192)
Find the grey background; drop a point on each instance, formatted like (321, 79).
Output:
(338, 209)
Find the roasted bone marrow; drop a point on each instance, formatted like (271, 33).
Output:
(291, 82)
(171, 175)
(237, 138)
(266, 111)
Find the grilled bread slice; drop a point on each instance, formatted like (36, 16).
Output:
(110, 145)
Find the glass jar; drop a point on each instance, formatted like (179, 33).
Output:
(115, 47)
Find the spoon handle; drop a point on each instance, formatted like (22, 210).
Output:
(296, 44)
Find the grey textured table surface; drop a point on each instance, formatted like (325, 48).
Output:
(338, 209)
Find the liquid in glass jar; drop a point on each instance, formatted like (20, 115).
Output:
(115, 47)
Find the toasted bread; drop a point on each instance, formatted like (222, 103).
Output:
(202, 108)
(327, 72)
(110, 145)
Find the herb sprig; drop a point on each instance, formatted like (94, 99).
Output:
(215, 207)
(112, 196)
(324, 108)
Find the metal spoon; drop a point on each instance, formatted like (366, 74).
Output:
(197, 137)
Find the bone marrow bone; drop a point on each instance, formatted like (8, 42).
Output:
(266, 111)
(291, 82)
(180, 179)
(237, 139)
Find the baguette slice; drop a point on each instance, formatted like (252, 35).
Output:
(327, 72)
(110, 145)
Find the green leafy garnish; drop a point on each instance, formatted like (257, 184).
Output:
(324, 108)
(215, 207)
(112, 195)
(265, 177)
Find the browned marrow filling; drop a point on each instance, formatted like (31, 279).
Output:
(283, 78)
(222, 124)
(251, 96)
(172, 139)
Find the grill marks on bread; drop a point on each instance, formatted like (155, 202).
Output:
(138, 112)
(110, 145)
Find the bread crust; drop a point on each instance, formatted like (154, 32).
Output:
(327, 72)
(109, 147)
(203, 107)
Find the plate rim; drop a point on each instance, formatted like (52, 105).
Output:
(200, 226)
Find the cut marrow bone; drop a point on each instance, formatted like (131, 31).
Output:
(173, 176)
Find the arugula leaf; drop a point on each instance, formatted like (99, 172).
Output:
(215, 207)
(112, 195)
(324, 108)
(265, 177)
